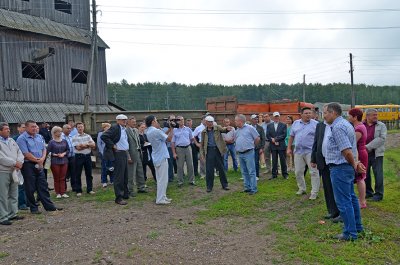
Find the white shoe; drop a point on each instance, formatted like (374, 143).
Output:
(104, 185)
(79, 194)
(257, 178)
(313, 196)
(65, 195)
(301, 192)
(92, 192)
(58, 196)
(168, 199)
(242, 178)
(163, 202)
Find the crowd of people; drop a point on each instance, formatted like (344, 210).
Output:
(341, 152)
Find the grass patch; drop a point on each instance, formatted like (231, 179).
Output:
(153, 235)
(294, 221)
(97, 257)
(393, 131)
(133, 251)
(4, 255)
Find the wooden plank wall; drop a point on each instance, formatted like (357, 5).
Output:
(80, 16)
(16, 47)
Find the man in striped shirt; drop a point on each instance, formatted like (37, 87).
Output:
(340, 154)
(83, 145)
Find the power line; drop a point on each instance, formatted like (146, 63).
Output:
(177, 27)
(191, 11)
(253, 47)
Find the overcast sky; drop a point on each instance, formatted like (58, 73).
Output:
(251, 42)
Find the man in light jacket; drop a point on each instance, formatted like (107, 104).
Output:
(11, 159)
(376, 137)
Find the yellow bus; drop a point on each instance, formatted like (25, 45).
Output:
(388, 112)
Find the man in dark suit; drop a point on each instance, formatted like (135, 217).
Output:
(258, 149)
(116, 149)
(276, 135)
(318, 160)
(135, 166)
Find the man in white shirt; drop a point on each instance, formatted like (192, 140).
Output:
(83, 145)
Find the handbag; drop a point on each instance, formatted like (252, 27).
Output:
(47, 163)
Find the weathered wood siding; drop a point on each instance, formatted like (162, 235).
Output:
(16, 47)
(80, 16)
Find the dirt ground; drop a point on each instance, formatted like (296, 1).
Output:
(140, 233)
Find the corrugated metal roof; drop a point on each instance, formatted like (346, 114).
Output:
(19, 21)
(15, 112)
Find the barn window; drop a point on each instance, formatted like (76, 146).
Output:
(79, 76)
(33, 71)
(63, 6)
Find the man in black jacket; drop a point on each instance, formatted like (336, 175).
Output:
(116, 149)
(276, 134)
(318, 160)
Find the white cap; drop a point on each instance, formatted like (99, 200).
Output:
(276, 114)
(121, 117)
(210, 118)
(254, 116)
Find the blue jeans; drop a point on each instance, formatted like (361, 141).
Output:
(248, 169)
(230, 150)
(342, 177)
(21, 197)
(105, 165)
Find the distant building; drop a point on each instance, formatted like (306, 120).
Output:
(44, 60)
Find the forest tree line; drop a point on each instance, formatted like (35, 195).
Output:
(175, 96)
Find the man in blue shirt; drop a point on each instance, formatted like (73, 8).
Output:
(182, 151)
(33, 148)
(340, 153)
(246, 138)
(157, 138)
(116, 149)
(21, 189)
(303, 133)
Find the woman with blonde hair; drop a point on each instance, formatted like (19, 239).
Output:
(58, 149)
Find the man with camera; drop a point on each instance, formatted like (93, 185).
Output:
(182, 151)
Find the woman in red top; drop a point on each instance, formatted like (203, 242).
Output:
(355, 117)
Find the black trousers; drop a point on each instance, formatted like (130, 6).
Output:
(35, 181)
(83, 161)
(214, 161)
(328, 192)
(121, 176)
(70, 172)
(377, 167)
(282, 159)
(146, 163)
(195, 157)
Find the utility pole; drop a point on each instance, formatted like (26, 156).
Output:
(93, 58)
(304, 88)
(353, 97)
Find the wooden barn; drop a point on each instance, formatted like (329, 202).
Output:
(44, 60)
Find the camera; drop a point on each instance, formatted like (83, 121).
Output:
(173, 123)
